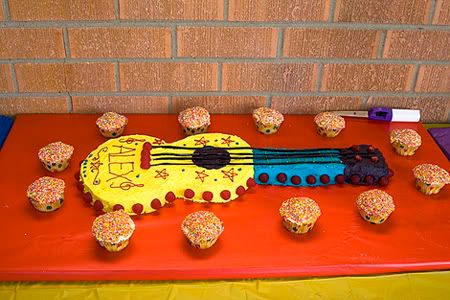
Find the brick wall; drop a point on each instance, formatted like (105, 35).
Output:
(298, 56)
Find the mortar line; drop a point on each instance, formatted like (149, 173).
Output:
(225, 10)
(169, 104)
(319, 77)
(117, 76)
(219, 77)
(280, 42)
(269, 100)
(448, 119)
(6, 11)
(174, 46)
(414, 78)
(14, 78)
(331, 11)
(69, 103)
(66, 43)
(117, 9)
(432, 12)
(364, 102)
(380, 50)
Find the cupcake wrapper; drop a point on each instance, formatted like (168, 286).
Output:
(47, 207)
(203, 244)
(428, 189)
(191, 130)
(373, 219)
(267, 129)
(404, 150)
(328, 133)
(298, 228)
(112, 133)
(55, 167)
(114, 247)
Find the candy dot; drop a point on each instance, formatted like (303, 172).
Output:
(137, 208)
(311, 179)
(383, 181)
(374, 158)
(355, 148)
(282, 177)
(240, 190)
(117, 207)
(80, 186)
(225, 194)
(87, 197)
(207, 196)
(251, 182)
(156, 204)
(189, 193)
(371, 149)
(324, 179)
(77, 176)
(355, 179)
(296, 180)
(358, 157)
(98, 205)
(263, 177)
(369, 180)
(391, 173)
(170, 197)
(340, 179)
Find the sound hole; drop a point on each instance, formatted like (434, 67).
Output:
(211, 157)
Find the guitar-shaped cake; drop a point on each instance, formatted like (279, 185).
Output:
(140, 173)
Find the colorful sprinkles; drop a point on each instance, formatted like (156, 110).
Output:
(267, 116)
(113, 227)
(329, 121)
(408, 137)
(46, 190)
(56, 152)
(376, 203)
(300, 210)
(202, 226)
(111, 121)
(431, 174)
(194, 117)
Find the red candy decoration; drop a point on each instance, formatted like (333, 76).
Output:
(263, 177)
(374, 159)
(225, 194)
(98, 205)
(77, 176)
(311, 179)
(87, 197)
(155, 204)
(251, 182)
(117, 207)
(240, 190)
(358, 157)
(207, 196)
(371, 149)
(383, 181)
(296, 180)
(80, 186)
(391, 173)
(355, 179)
(170, 197)
(340, 179)
(355, 148)
(189, 193)
(369, 179)
(282, 177)
(137, 208)
(324, 179)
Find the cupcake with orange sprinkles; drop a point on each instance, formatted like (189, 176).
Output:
(329, 124)
(299, 214)
(194, 120)
(375, 206)
(55, 157)
(111, 124)
(202, 229)
(113, 230)
(46, 193)
(430, 179)
(405, 141)
(267, 120)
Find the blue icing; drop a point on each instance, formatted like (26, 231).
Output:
(306, 166)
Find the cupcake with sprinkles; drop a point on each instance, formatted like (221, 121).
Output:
(202, 229)
(267, 120)
(430, 179)
(46, 193)
(194, 120)
(329, 124)
(55, 157)
(299, 214)
(111, 124)
(113, 230)
(405, 141)
(375, 206)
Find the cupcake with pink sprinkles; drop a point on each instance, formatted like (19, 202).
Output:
(55, 157)
(202, 229)
(194, 120)
(430, 179)
(113, 230)
(46, 193)
(375, 206)
(111, 124)
(267, 120)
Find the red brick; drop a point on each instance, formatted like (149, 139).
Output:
(315, 104)
(219, 104)
(226, 42)
(269, 77)
(383, 11)
(367, 77)
(20, 105)
(120, 104)
(119, 42)
(172, 10)
(432, 109)
(433, 79)
(6, 84)
(31, 43)
(81, 77)
(442, 12)
(278, 10)
(1, 12)
(416, 44)
(307, 42)
(30, 10)
(168, 76)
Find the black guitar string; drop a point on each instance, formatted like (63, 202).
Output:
(243, 148)
(246, 164)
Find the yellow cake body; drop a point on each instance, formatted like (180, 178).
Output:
(117, 176)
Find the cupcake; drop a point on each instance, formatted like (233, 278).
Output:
(194, 120)
(46, 193)
(299, 214)
(329, 124)
(430, 179)
(111, 124)
(267, 120)
(405, 141)
(55, 157)
(202, 229)
(113, 230)
(375, 206)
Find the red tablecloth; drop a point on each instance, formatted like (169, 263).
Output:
(59, 245)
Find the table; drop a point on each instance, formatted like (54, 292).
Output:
(414, 239)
